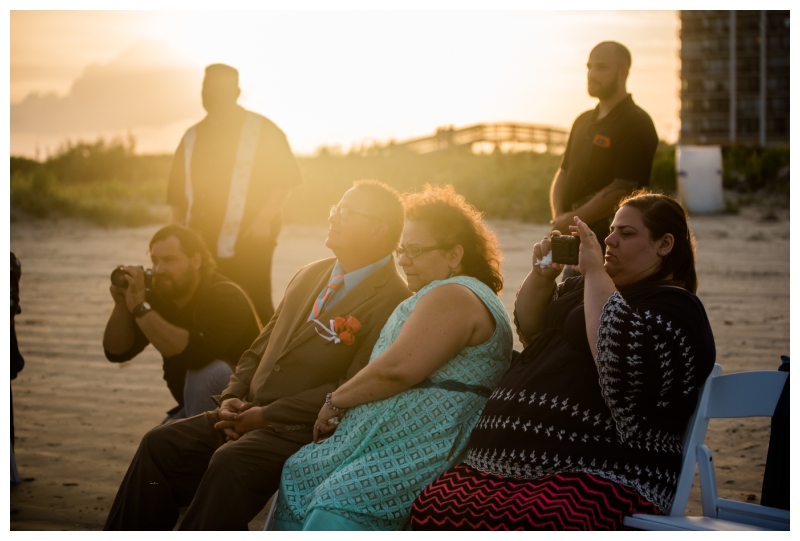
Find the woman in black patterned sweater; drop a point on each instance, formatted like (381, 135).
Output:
(586, 426)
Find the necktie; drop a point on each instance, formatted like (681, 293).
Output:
(325, 294)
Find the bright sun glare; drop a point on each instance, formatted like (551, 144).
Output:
(343, 78)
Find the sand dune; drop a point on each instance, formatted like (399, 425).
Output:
(79, 418)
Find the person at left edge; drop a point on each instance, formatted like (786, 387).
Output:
(198, 320)
(230, 175)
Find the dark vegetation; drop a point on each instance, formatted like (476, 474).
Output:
(109, 184)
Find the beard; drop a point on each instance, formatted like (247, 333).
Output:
(597, 90)
(172, 287)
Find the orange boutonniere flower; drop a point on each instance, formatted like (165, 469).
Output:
(341, 329)
(346, 329)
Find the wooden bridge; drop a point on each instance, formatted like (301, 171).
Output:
(500, 135)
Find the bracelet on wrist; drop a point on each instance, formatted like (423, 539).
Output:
(334, 408)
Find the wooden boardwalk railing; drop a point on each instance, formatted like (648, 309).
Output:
(494, 133)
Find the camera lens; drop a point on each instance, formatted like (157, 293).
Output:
(118, 277)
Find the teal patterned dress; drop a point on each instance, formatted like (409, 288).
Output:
(386, 452)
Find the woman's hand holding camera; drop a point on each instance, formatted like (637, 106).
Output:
(540, 250)
(590, 258)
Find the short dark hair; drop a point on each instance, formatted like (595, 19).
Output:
(662, 214)
(389, 207)
(621, 53)
(190, 242)
(454, 222)
(223, 72)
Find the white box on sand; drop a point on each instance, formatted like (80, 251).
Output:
(699, 171)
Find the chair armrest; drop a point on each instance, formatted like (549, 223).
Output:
(687, 524)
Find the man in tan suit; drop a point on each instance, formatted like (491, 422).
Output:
(225, 464)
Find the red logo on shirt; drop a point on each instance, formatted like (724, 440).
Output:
(602, 141)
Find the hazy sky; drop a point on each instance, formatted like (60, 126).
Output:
(326, 78)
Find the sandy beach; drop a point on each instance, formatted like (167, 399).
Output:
(79, 418)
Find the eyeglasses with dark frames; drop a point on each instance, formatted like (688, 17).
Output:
(413, 251)
(344, 213)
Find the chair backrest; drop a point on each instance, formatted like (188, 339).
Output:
(695, 434)
(744, 394)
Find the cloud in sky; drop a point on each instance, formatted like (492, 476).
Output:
(146, 85)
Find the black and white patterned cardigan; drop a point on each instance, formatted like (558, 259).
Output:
(622, 418)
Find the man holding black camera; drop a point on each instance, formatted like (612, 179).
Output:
(198, 320)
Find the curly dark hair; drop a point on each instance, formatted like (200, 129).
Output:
(454, 222)
(662, 214)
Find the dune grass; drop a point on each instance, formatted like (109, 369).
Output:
(108, 184)
(108, 203)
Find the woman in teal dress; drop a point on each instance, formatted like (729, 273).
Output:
(406, 417)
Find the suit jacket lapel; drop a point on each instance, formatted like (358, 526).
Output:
(363, 292)
(299, 322)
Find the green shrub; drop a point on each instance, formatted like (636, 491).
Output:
(747, 169)
(111, 203)
(103, 182)
(36, 193)
(663, 177)
(513, 185)
(107, 183)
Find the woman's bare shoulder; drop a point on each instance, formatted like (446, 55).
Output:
(454, 297)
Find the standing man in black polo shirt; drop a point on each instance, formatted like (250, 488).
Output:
(610, 149)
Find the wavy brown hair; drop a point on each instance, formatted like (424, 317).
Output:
(454, 222)
(662, 214)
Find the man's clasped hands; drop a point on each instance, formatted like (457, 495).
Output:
(237, 418)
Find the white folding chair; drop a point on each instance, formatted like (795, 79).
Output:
(271, 512)
(745, 394)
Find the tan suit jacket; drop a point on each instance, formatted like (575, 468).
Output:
(290, 368)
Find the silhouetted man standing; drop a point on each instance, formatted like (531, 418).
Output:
(230, 175)
(610, 149)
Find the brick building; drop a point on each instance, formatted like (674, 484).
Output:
(735, 77)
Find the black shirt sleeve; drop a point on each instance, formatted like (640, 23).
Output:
(140, 342)
(568, 151)
(221, 320)
(653, 356)
(634, 157)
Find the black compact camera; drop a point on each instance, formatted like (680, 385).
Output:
(118, 278)
(565, 249)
